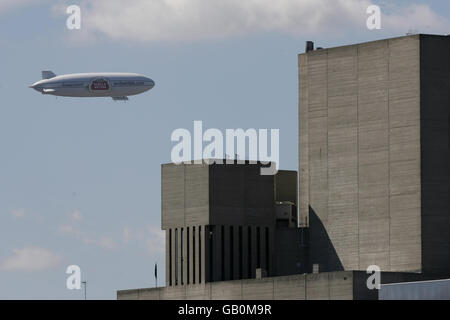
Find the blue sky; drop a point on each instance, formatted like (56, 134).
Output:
(80, 178)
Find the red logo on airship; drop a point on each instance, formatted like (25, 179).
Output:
(99, 85)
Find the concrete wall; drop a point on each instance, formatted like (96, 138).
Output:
(360, 155)
(184, 195)
(240, 195)
(344, 285)
(231, 194)
(435, 100)
(230, 204)
(286, 186)
(361, 292)
(332, 286)
(289, 254)
(423, 290)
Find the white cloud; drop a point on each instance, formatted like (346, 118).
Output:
(417, 17)
(18, 213)
(183, 20)
(126, 234)
(30, 259)
(74, 229)
(105, 242)
(155, 240)
(67, 230)
(6, 5)
(151, 236)
(75, 215)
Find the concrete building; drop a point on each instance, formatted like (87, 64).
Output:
(373, 154)
(220, 220)
(416, 290)
(342, 285)
(373, 186)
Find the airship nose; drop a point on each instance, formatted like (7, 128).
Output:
(150, 83)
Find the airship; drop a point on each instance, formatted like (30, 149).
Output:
(118, 86)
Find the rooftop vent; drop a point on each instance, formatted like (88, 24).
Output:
(309, 46)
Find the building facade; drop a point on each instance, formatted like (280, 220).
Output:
(373, 154)
(372, 184)
(220, 220)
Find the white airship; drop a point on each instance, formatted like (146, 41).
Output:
(115, 85)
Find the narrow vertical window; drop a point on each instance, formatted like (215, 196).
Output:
(231, 254)
(170, 257)
(267, 251)
(249, 246)
(187, 255)
(182, 258)
(199, 254)
(258, 248)
(222, 249)
(176, 257)
(241, 275)
(212, 265)
(193, 254)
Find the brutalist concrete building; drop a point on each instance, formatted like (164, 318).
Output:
(373, 188)
(220, 219)
(373, 154)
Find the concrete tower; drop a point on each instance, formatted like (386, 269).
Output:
(220, 219)
(373, 154)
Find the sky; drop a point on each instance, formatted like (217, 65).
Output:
(80, 177)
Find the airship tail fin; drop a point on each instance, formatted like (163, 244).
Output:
(48, 75)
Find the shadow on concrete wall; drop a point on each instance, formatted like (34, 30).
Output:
(321, 249)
